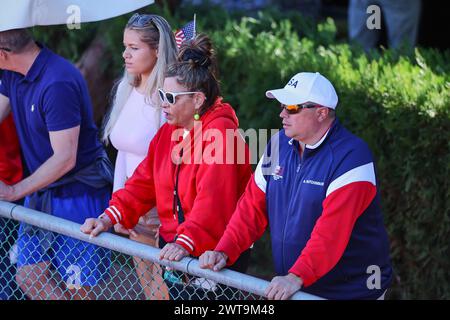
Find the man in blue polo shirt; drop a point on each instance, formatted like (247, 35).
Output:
(316, 187)
(70, 175)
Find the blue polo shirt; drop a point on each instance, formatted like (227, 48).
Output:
(52, 96)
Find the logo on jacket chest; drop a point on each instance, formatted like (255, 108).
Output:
(277, 173)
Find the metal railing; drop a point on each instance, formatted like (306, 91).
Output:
(118, 268)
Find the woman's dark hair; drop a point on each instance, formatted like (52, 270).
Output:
(196, 69)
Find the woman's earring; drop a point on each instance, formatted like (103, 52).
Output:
(196, 115)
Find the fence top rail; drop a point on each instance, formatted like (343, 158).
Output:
(123, 245)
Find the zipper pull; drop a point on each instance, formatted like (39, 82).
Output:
(298, 167)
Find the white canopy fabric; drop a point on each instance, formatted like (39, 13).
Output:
(16, 14)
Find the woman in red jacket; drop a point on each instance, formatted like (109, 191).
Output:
(197, 165)
(10, 173)
(10, 162)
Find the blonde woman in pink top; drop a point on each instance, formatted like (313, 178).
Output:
(135, 117)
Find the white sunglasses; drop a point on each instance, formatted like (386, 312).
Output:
(170, 97)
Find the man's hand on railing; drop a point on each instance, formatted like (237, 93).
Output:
(94, 227)
(214, 260)
(6, 192)
(282, 288)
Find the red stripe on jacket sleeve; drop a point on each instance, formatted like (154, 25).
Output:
(332, 231)
(247, 223)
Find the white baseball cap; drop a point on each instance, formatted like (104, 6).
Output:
(306, 87)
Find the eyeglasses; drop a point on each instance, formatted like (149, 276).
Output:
(296, 108)
(170, 97)
(140, 20)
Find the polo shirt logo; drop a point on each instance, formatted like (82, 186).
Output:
(277, 173)
(316, 183)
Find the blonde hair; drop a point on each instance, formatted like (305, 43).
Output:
(157, 35)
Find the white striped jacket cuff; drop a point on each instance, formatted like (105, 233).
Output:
(112, 210)
(184, 239)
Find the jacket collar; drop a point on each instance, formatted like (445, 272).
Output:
(317, 145)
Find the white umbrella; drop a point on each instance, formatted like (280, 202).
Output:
(16, 14)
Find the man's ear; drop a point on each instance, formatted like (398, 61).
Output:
(323, 114)
(3, 55)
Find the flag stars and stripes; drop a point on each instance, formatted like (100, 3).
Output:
(187, 32)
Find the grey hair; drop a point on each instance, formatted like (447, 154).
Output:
(157, 35)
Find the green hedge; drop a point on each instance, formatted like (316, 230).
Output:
(399, 104)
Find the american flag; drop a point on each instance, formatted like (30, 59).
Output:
(187, 32)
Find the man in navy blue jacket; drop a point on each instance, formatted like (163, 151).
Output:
(316, 188)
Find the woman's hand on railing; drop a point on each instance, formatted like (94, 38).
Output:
(93, 227)
(118, 228)
(173, 252)
(214, 260)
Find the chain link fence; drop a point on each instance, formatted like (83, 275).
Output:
(43, 257)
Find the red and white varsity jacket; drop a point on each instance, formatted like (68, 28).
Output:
(213, 174)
